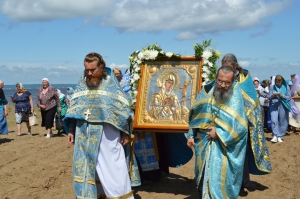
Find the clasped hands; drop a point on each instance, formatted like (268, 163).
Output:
(211, 135)
(277, 94)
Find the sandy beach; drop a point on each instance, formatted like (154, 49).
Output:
(37, 168)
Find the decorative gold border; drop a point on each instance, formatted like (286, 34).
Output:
(191, 65)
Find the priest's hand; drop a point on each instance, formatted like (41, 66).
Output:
(212, 134)
(71, 138)
(124, 139)
(190, 142)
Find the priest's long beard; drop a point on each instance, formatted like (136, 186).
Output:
(222, 96)
(95, 79)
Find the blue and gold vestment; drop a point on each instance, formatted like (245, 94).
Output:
(259, 161)
(106, 104)
(221, 160)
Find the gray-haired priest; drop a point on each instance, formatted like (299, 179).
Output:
(218, 130)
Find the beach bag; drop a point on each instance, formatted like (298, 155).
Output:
(33, 121)
(59, 123)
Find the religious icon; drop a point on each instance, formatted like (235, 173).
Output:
(165, 105)
(167, 91)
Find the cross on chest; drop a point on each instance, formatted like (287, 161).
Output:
(87, 113)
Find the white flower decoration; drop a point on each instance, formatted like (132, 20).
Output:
(169, 54)
(140, 55)
(204, 75)
(206, 54)
(205, 69)
(205, 61)
(146, 54)
(153, 54)
(137, 69)
(136, 76)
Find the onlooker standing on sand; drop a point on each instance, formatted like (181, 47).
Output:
(265, 85)
(63, 103)
(47, 99)
(70, 92)
(24, 106)
(279, 97)
(294, 116)
(3, 110)
(262, 96)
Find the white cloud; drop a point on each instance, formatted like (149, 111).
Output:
(191, 19)
(45, 10)
(187, 35)
(29, 73)
(265, 70)
(244, 63)
(123, 67)
(295, 64)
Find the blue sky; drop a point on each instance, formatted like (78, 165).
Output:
(42, 38)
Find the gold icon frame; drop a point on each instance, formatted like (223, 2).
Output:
(154, 115)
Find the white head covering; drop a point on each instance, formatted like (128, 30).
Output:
(273, 81)
(255, 79)
(46, 79)
(21, 86)
(60, 95)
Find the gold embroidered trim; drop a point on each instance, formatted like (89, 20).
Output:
(199, 102)
(89, 181)
(224, 169)
(228, 128)
(232, 112)
(78, 180)
(128, 195)
(94, 182)
(100, 92)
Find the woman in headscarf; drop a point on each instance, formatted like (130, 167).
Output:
(70, 92)
(3, 110)
(48, 101)
(63, 103)
(24, 106)
(279, 97)
(262, 97)
(294, 117)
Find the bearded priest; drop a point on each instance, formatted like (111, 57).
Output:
(218, 132)
(97, 122)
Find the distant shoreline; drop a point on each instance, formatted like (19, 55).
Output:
(39, 84)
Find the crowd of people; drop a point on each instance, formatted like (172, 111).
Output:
(279, 100)
(227, 123)
(51, 102)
